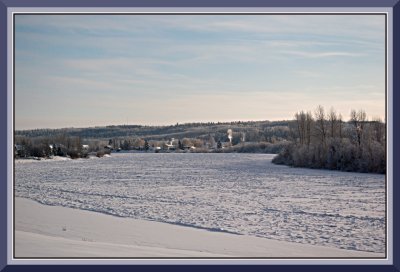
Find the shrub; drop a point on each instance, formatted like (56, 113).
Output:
(73, 154)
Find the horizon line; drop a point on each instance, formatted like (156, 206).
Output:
(170, 124)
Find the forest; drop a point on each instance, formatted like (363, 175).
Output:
(323, 140)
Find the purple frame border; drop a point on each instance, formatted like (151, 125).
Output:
(4, 4)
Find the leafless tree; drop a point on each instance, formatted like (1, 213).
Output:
(379, 129)
(358, 120)
(301, 126)
(309, 122)
(340, 125)
(320, 123)
(333, 122)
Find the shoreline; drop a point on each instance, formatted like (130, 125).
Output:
(55, 159)
(54, 231)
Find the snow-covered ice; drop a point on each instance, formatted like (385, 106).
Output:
(52, 231)
(234, 193)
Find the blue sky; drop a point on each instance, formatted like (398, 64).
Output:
(94, 70)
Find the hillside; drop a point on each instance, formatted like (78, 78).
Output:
(252, 131)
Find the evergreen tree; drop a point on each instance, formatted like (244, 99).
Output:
(180, 145)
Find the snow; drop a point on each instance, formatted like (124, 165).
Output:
(226, 193)
(52, 231)
(53, 158)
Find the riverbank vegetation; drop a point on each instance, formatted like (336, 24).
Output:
(58, 145)
(323, 140)
(315, 140)
(243, 137)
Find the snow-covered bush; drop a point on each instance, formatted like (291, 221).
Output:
(357, 145)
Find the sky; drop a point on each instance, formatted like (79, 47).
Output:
(97, 70)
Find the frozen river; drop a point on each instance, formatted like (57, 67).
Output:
(238, 193)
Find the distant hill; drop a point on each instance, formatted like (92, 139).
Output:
(251, 130)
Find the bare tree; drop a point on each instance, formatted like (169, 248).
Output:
(301, 126)
(309, 122)
(138, 143)
(340, 125)
(378, 128)
(320, 123)
(187, 142)
(358, 120)
(333, 120)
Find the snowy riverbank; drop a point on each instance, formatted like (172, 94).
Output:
(51, 231)
(55, 159)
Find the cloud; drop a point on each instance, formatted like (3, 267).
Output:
(186, 67)
(308, 74)
(308, 54)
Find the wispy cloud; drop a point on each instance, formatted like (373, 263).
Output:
(307, 74)
(263, 66)
(308, 54)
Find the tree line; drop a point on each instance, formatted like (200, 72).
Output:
(259, 136)
(255, 131)
(323, 140)
(57, 145)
